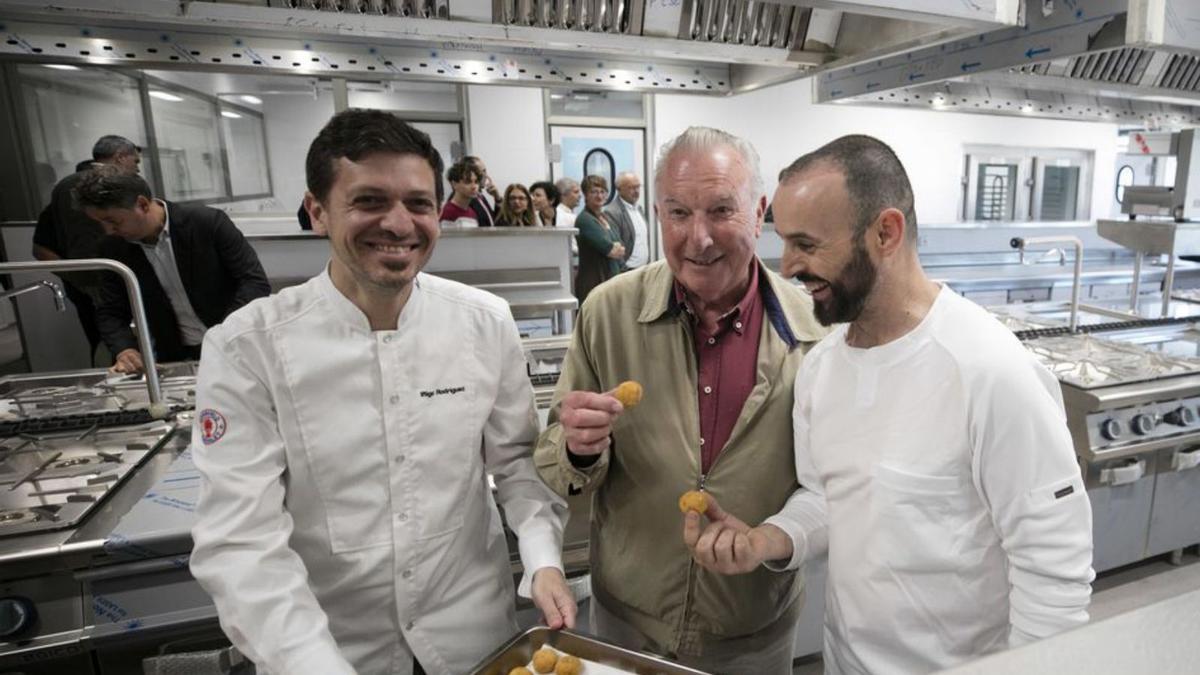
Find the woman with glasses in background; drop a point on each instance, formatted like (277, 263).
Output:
(516, 211)
(600, 249)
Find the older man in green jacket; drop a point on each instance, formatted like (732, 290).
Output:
(716, 339)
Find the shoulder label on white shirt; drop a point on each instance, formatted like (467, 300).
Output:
(212, 426)
(430, 393)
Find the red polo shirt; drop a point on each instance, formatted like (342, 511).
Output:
(727, 365)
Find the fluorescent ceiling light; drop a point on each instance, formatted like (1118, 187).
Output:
(253, 100)
(60, 66)
(230, 114)
(162, 95)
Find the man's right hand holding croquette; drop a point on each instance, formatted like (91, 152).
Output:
(728, 545)
(587, 417)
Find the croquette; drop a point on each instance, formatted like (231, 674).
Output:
(520, 670)
(693, 500)
(629, 393)
(568, 665)
(544, 660)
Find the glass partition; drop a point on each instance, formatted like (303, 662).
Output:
(190, 153)
(55, 96)
(245, 138)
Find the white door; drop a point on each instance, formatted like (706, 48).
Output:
(605, 151)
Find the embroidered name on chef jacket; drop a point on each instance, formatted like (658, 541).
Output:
(448, 391)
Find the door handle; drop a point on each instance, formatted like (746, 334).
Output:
(1186, 459)
(1124, 474)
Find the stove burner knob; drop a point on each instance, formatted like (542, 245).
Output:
(1142, 424)
(17, 615)
(1181, 416)
(1112, 429)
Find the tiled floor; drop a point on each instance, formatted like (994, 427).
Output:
(1114, 592)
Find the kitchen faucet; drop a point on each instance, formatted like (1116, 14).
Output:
(60, 300)
(133, 290)
(1021, 243)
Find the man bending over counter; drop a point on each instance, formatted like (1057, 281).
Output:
(937, 469)
(193, 264)
(345, 434)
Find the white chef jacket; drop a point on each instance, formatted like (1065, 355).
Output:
(939, 475)
(345, 521)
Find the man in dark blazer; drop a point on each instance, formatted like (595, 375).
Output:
(630, 221)
(192, 263)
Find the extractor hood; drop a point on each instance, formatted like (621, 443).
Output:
(701, 46)
(1134, 62)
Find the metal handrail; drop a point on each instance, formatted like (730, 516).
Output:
(133, 289)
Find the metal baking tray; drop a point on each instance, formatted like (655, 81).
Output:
(519, 652)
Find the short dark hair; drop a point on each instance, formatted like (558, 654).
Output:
(461, 171)
(547, 187)
(354, 134)
(107, 187)
(111, 145)
(875, 179)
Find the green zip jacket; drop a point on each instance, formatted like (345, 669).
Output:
(632, 329)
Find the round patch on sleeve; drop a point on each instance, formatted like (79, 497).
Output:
(212, 426)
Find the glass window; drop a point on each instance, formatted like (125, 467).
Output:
(407, 96)
(997, 192)
(613, 104)
(1060, 193)
(245, 139)
(62, 136)
(189, 145)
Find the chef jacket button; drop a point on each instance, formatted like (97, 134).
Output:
(403, 517)
(708, 390)
(701, 441)
(399, 459)
(407, 574)
(387, 338)
(409, 625)
(712, 341)
(394, 399)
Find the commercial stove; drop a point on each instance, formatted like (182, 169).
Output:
(78, 452)
(83, 399)
(1132, 399)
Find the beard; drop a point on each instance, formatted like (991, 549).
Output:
(849, 291)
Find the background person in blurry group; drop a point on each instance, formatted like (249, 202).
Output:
(464, 187)
(600, 249)
(516, 210)
(626, 214)
(544, 197)
(65, 232)
(485, 212)
(193, 265)
(568, 200)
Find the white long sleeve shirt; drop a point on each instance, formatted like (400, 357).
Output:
(938, 474)
(345, 521)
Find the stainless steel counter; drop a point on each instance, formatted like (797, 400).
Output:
(1157, 638)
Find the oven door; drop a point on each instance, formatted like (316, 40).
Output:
(146, 609)
(1175, 519)
(1122, 495)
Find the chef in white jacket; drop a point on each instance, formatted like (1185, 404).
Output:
(936, 467)
(345, 434)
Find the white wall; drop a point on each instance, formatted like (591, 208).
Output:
(783, 123)
(292, 123)
(508, 133)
